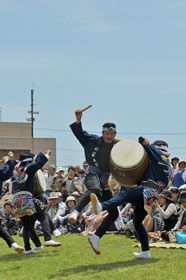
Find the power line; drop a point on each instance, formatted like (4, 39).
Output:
(80, 150)
(125, 133)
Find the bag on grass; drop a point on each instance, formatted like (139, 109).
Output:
(181, 237)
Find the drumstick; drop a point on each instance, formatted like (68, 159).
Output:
(86, 108)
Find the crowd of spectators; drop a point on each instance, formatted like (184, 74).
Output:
(165, 215)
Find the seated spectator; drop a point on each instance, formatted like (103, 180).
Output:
(152, 221)
(77, 196)
(68, 182)
(58, 181)
(174, 164)
(77, 169)
(85, 166)
(9, 221)
(175, 196)
(127, 214)
(78, 183)
(60, 172)
(167, 212)
(63, 219)
(180, 174)
(56, 206)
(164, 214)
(181, 223)
(50, 178)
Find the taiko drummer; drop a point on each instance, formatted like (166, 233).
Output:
(154, 179)
(97, 153)
(22, 189)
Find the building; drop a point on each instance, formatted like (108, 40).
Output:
(17, 137)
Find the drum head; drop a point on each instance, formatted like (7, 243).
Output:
(40, 178)
(127, 153)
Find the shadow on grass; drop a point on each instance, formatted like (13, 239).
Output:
(100, 267)
(23, 256)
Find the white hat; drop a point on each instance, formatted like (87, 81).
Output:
(76, 194)
(55, 195)
(182, 187)
(70, 198)
(60, 169)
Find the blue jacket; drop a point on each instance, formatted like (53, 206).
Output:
(91, 144)
(26, 183)
(158, 168)
(88, 141)
(6, 171)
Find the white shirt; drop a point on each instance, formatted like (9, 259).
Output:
(170, 210)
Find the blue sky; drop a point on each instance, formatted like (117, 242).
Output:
(126, 58)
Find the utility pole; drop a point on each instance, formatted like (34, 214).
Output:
(0, 113)
(32, 113)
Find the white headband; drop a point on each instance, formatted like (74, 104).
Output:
(109, 128)
(162, 147)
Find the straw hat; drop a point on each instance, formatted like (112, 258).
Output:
(55, 195)
(70, 198)
(167, 194)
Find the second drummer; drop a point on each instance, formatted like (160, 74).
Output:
(155, 178)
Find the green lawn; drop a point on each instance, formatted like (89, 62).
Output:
(75, 260)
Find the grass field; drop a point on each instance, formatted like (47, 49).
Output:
(75, 260)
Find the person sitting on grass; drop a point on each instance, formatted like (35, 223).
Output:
(63, 219)
(9, 221)
(167, 212)
(181, 223)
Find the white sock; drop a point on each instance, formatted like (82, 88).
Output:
(14, 245)
(145, 253)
